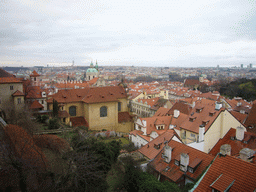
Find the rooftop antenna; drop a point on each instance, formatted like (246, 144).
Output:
(73, 63)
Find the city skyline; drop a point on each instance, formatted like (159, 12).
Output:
(144, 33)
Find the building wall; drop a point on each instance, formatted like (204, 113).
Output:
(219, 128)
(125, 127)
(124, 105)
(6, 93)
(110, 122)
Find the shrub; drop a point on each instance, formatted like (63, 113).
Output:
(53, 124)
(104, 130)
(44, 118)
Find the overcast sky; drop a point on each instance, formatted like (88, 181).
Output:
(174, 33)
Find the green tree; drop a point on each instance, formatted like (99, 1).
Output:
(55, 108)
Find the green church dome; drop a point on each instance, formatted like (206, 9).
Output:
(91, 70)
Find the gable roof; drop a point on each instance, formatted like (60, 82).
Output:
(228, 173)
(200, 114)
(79, 121)
(6, 77)
(124, 117)
(182, 107)
(197, 159)
(90, 95)
(36, 105)
(236, 145)
(18, 93)
(251, 119)
(162, 111)
(150, 151)
(34, 74)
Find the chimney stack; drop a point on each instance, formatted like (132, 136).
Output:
(240, 133)
(201, 133)
(167, 153)
(218, 105)
(246, 154)
(184, 161)
(225, 149)
(176, 113)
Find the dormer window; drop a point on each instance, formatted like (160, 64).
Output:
(199, 110)
(176, 162)
(205, 122)
(211, 113)
(160, 127)
(191, 119)
(190, 169)
(157, 146)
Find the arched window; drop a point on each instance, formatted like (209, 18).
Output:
(72, 111)
(103, 111)
(119, 106)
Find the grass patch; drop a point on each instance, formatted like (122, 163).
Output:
(115, 177)
(123, 140)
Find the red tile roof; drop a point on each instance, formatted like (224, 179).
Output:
(149, 149)
(161, 112)
(63, 114)
(36, 105)
(124, 117)
(150, 102)
(236, 145)
(182, 107)
(90, 95)
(93, 81)
(201, 159)
(251, 119)
(34, 92)
(191, 82)
(4, 80)
(18, 93)
(226, 169)
(4, 73)
(239, 116)
(34, 74)
(206, 106)
(79, 121)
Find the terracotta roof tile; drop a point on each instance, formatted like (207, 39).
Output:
(174, 173)
(90, 95)
(79, 121)
(239, 116)
(251, 119)
(199, 116)
(124, 117)
(36, 105)
(150, 151)
(236, 145)
(63, 114)
(4, 73)
(231, 169)
(18, 93)
(4, 80)
(34, 74)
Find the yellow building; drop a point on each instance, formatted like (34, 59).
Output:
(102, 107)
(11, 94)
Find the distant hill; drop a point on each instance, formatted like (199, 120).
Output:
(245, 88)
(14, 69)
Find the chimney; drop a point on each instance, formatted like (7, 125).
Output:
(218, 105)
(201, 133)
(184, 161)
(246, 154)
(176, 113)
(144, 128)
(225, 149)
(167, 153)
(240, 133)
(43, 94)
